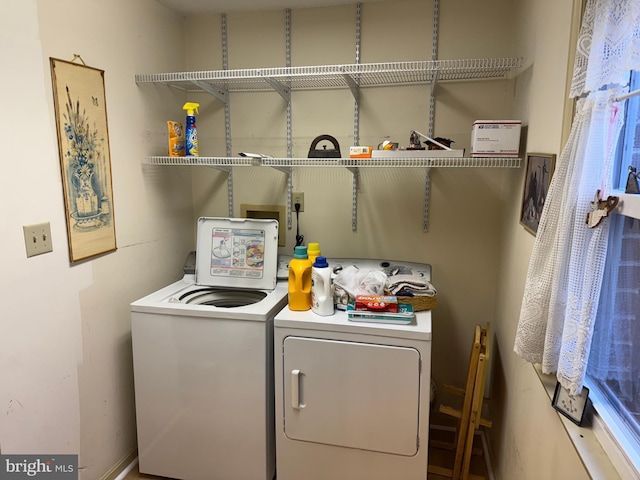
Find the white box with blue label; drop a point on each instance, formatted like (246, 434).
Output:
(495, 138)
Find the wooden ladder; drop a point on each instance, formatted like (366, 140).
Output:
(469, 417)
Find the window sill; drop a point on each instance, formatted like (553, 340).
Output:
(598, 461)
(629, 204)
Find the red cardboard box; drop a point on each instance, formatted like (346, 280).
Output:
(377, 303)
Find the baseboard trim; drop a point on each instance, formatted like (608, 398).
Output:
(121, 469)
(131, 460)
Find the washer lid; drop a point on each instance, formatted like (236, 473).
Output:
(237, 252)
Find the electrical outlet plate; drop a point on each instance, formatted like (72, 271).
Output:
(297, 197)
(37, 239)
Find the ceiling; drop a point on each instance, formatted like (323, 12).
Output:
(189, 7)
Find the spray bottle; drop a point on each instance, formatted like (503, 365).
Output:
(191, 134)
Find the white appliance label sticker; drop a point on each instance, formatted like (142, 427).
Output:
(237, 252)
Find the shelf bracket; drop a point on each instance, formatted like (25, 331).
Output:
(222, 168)
(220, 93)
(354, 197)
(283, 91)
(353, 86)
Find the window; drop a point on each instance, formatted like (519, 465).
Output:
(614, 361)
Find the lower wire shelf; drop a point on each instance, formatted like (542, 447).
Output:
(400, 162)
(286, 166)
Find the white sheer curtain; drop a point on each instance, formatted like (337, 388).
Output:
(608, 46)
(614, 335)
(567, 263)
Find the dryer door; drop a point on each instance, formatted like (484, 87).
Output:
(351, 394)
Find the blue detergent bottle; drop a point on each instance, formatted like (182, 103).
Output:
(191, 133)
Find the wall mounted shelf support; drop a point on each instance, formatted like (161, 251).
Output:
(214, 90)
(282, 90)
(353, 86)
(427, 199)
(354, 197)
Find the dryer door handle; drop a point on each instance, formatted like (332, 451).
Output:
(296, 384)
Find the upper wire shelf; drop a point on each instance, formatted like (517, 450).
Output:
(337, 76)
(417, 162)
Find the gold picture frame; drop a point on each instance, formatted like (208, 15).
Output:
(85, 162)
(539, 170)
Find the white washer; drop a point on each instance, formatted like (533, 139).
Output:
(352, 398)
(203, 359)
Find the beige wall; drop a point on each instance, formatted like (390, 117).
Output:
(477, 248)
(465, 213)
(66, 361)
(65, 348)
(528, 440)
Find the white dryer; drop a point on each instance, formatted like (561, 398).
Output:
(203, 359)
(352, 398)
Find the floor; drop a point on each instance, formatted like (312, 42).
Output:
(436, 456)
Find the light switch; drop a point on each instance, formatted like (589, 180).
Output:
(37, 239)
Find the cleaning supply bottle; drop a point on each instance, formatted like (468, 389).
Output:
(313, 250)
(300, 280)
(321, 296)
(191, 133)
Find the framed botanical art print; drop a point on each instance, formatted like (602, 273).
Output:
(539, 170)
(85, 162)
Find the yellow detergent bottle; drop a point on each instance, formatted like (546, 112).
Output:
(191, 133)
(300, 280)
(313, 250)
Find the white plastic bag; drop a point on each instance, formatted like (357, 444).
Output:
(361, 282)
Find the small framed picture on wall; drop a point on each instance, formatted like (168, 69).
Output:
(539, 170)
(571, 406)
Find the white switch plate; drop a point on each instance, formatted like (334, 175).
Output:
(37, 239)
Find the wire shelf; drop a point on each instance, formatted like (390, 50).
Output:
(352, 76)
(418, 162)
(337, 76)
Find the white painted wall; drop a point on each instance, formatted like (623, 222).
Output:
(65, 359)
(66, 381)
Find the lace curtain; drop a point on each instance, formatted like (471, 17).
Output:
(567, 263)
(608, 45)
(615, 333)
(566, 268)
